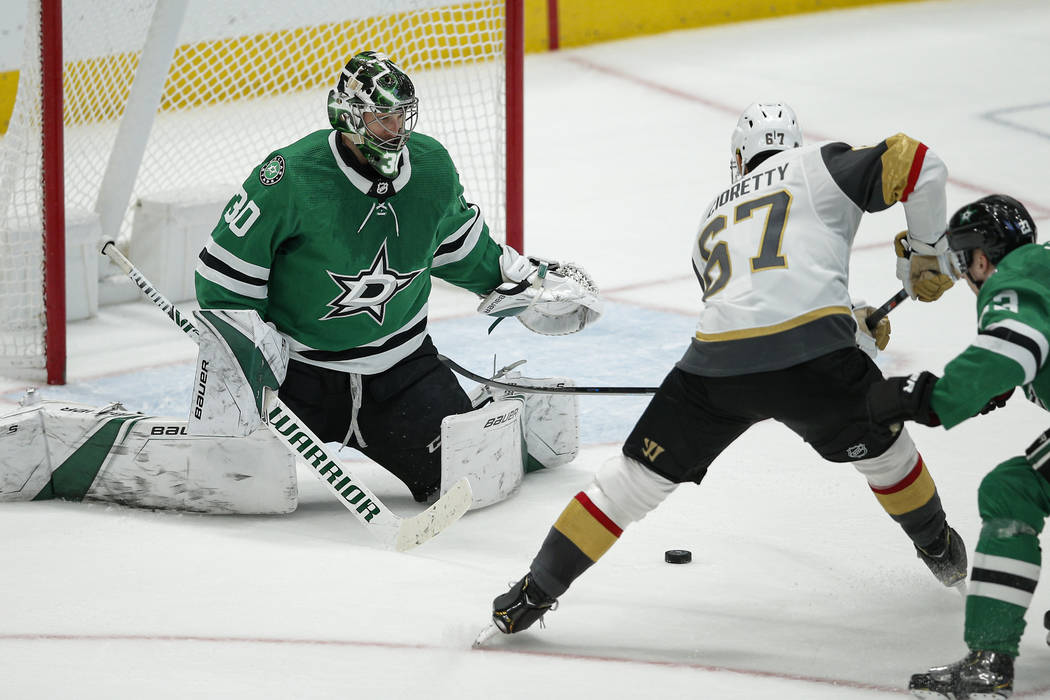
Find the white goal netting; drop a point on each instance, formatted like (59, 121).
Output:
(246, 78)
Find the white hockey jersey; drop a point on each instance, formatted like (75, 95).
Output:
(772, 253)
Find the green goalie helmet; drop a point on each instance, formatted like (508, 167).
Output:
(376, 104)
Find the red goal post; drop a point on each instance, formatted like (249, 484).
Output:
(121, 100)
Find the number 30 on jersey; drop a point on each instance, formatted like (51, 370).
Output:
(241, 213)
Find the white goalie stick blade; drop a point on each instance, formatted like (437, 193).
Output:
(485, 635)
(446, 510)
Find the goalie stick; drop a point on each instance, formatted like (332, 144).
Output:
(462, 371)
(394, 531)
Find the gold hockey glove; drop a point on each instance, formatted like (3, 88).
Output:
(881, 331)
(921, 274)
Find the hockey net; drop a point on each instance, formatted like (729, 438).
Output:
(244, 78)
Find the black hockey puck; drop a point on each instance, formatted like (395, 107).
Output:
(678, 556)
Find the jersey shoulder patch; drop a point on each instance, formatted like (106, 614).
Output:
(272, 170)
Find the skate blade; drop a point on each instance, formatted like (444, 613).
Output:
(485, 635)
(930, 695)
(961, 587)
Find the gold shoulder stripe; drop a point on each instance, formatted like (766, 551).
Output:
(776, 328)
(896, 166)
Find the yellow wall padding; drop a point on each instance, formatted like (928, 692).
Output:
(589, 21)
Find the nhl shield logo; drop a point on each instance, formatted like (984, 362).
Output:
(857, 451)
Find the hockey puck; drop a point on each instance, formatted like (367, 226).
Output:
(678, 556)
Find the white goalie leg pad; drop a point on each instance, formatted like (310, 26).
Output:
(485, 446)
(25, 469)
(626, 490)
(239, 355)
(892, 465)
(552, 421)
(77, 452)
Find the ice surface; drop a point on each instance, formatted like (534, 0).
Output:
(800, 586)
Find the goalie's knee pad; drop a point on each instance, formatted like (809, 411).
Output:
(485, 447)
(551, 424)
(62, 450)
(626, 490)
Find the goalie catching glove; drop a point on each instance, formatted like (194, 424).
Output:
(548, 297)
(921, 267)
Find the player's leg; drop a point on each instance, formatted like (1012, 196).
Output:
(677, 437)
(1014, 502)
(75, 452)
(322, 398)
(401, 414)
(829, 412)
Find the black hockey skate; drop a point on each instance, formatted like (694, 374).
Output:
(946, 557)
(982, 675)
(521, 606)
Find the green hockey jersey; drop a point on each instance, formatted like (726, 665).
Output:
(339, 258)
(1013, 339)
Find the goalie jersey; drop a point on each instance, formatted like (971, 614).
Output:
(1012, 343)
(339, 258)
(772, 253)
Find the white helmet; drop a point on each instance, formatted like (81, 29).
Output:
(763, 127)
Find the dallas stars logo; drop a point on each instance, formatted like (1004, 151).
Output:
(369, 291)
(272, 172)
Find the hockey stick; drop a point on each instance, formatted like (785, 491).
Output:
(399, 533)
(878, 314)
(622, 390)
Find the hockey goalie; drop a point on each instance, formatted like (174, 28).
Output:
(224, 458)
(314, 288)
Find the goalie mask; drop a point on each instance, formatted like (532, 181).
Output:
(376, 104)
(996, 224)
(762, 127)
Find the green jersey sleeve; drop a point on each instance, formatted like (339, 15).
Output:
(466, 255)
(233, 269)
(1010, 349)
